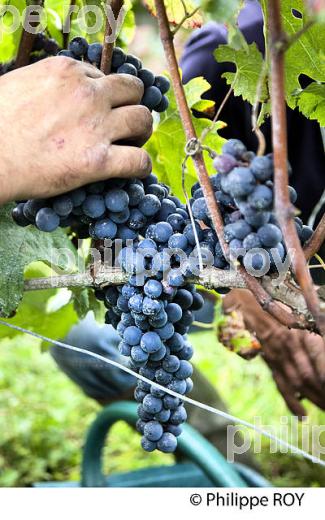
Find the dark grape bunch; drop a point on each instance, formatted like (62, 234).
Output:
(155, 87)
(244, 191)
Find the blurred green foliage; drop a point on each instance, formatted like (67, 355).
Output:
(44, 417)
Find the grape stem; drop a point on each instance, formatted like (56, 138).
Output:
(211, 279)
(167, 38)
(252, 283)
(283, 207)
(27, 39)
(316, 240)
(106, 61)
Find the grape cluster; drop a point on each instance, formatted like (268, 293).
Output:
(155, 87)
(244, 190)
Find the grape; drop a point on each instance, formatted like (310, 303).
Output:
(177, 385)
(134, 60)
(167, 208)
(18, 215)
(118, 57)
(150, 205)
(252, 241)
(235, 148)
(171, 363)
(163, 377)
(153, 288)
(94, 53)
(163, 105)
(224, 164)
(175, 430)
(162, 83)
(32, 207)
(239, 230)
(270, 235)
(261, 198)
(117, 200)
(306, 233)
(153, 431)
(147, 77)
(199, 208)
(148, 445)
(189, 233)
(138, 355)
(135, 193)
(62, 205)
(262, 168)
(150, 342)
(135, 303)
(132, 335)
(185, 370)
(47, 220)
(167, 443)
(198, 302)
(105, 228)
(156, 189)
(151, 98)
(124, 348)
(292, 194)
(253, 261)
(178, 241)
(241, 182)
(127, 68)
(78, 46)
(150, 307)
(163, 416)
(152, 404)
(78, 196)
(163, 231)
(94, 206)
(256, 218)
(176, 221)
(178, 416)
(136, 219)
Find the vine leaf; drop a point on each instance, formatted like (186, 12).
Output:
(166, 146)
(48, 312)
(249, 63)
(19, 247)
(175, 12)
(306, 55)
(223, 10)
(311, 102)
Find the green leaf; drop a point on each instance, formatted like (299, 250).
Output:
(37, 311)
(306, 55)
(249, 64)
(166, 146)
(21, 246)
(311, 102)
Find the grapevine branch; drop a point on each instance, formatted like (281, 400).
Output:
(26, 41)
(210, 278)
(256, 288)
(283, 206)
(316, 240)
(185, 114)
(106, 62)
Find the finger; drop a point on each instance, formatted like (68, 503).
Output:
(132, 124)
(288, 395)
(105, 161)
(315, 348)
(121, 89)
(85, 69)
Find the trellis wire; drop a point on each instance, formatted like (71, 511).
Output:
(232, 418)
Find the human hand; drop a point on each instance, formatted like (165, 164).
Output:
(64, 124)
(295, 357)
